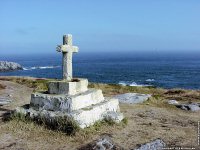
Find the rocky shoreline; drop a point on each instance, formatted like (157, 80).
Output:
(9, 66)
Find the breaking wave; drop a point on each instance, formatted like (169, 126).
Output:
(41, 67)
(150, 80)
(126, 83)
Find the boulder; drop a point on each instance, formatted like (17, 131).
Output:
(132, 98)
(194, 107)
(9, 66)
(189, 107)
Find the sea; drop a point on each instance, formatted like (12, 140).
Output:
(165, 70)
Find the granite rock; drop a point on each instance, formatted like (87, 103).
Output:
(9, 66)
(154, 145)
(132, 98)
(173, 102)
(189, 107)
(104, 144)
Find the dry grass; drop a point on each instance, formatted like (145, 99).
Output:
(2, 87)
(38, 84)
(45, 138)
(183, 95)
(113, 89)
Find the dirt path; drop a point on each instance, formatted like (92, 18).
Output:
(19, 95)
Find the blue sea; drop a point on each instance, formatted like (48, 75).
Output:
(177, 70)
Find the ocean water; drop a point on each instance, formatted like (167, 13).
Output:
(160, 70)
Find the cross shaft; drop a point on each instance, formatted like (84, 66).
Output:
(67, 50)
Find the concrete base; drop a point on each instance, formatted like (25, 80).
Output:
(65, 102)
(108, 109)
(73, 87)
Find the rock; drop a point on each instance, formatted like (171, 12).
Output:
(154, 145)
(189, 107)
(103, 144)
(115, 116)
(132, 98)
(21, 110)
(194, 107)
(4, 101)
(183, 107)
(173, 102)
(9, 66)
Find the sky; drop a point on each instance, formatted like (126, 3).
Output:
(37, 26)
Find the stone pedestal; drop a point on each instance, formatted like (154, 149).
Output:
(68, 87)
(73, 99)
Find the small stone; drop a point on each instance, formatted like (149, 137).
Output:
(154, 145)
(173, 102)
(184, 107)
(103, 144)
(114, 116)
(21, 110)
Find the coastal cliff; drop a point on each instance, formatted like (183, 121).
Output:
(9, 66)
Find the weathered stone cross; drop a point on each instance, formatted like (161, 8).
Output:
(67, 50)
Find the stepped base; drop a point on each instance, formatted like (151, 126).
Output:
(66, 103)
(107, 109)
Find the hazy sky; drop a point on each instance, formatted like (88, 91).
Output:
(37, 26)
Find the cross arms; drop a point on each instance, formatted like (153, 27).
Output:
(67, 48)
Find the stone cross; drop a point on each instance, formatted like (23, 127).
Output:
(67, 50)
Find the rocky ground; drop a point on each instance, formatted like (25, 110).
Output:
(148, 121)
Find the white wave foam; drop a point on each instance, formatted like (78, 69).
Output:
(40, 67)
(124, 83)
(25, 68)
(150, 80)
